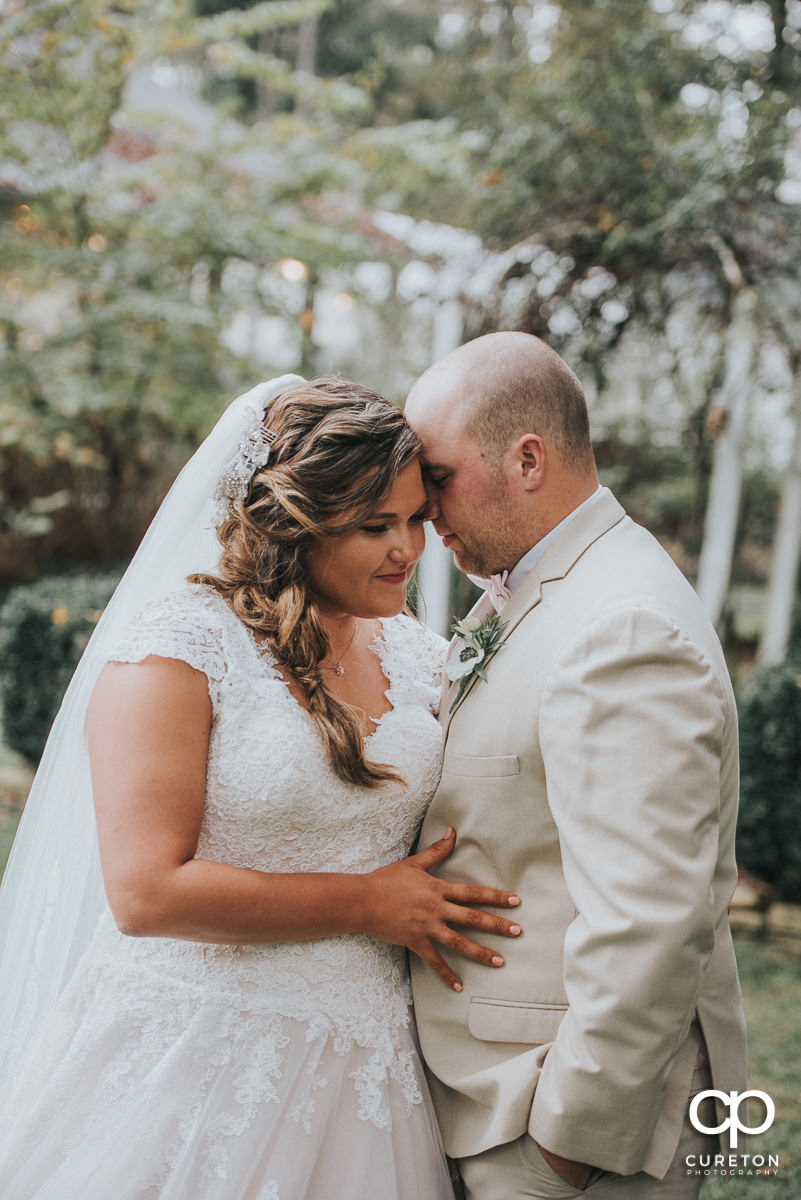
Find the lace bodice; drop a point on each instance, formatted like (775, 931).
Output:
(273, 803)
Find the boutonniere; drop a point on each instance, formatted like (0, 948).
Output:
(475, 644)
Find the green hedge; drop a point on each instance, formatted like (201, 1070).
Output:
(44, 627)
(769, 828)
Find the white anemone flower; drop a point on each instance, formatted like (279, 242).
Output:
(464, 655)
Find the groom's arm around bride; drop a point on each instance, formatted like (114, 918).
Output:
(594, 771)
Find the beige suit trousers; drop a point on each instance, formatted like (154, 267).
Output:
(517, 1170)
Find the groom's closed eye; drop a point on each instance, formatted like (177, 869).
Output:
(436, 477)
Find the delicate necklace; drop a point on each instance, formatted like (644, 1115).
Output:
(339, 669)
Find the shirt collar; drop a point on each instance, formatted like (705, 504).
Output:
(533, 556)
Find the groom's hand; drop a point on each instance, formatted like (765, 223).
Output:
(402, 903)
(573, 1172)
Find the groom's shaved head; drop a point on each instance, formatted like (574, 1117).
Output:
(511, 383)
(506, 447)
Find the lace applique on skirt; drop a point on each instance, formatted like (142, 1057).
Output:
(190, 1071)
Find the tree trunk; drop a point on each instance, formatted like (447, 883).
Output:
(306, 60)
(308, 346)
(307, 47)
(265, 97)
(436, 566)
(730, 417)
(505, 37)
(782, 588)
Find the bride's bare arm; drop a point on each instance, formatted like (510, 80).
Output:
(149, 729)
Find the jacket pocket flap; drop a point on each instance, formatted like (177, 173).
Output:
(483, 766)
(514, 1020)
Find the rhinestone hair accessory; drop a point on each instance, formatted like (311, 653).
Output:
(252, 456)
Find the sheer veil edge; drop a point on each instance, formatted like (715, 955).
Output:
(52, 892)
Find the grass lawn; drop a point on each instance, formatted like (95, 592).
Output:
(770, 972)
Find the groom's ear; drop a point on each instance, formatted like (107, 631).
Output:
(529, 455)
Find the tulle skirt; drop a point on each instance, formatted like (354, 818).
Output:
(172, 1089)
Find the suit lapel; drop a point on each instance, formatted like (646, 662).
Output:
(482, 608)
(524, 599)
(561, 556)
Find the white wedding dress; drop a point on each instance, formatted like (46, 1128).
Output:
(196, 1071)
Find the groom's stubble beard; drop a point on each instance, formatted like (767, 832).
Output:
(490, 540)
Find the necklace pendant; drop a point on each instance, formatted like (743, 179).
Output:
(339, 669)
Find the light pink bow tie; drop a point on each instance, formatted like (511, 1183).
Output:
(495, 587)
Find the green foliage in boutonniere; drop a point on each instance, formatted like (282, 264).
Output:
(475, 644)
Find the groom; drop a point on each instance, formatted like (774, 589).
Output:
(594, 773)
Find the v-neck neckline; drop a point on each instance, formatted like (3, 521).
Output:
(265, 655)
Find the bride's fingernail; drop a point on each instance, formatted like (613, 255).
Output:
(514, 930)
(457, 987)
(497, 961)
(513, 900)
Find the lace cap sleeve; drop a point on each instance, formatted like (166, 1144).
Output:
(183, 626)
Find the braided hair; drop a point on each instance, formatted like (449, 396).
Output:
(336, 450)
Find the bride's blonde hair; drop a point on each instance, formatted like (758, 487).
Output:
(336, 450)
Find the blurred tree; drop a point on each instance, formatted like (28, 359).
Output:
(769, 825)
(783, 583)
(622, 165)
(628, 162)
(368, 42)
(134, 238)
(44, 629)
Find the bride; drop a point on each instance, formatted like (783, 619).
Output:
(223, 1013)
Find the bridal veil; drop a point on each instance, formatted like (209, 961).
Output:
(52, 893)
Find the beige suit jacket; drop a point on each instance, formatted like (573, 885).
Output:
(595, 774)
